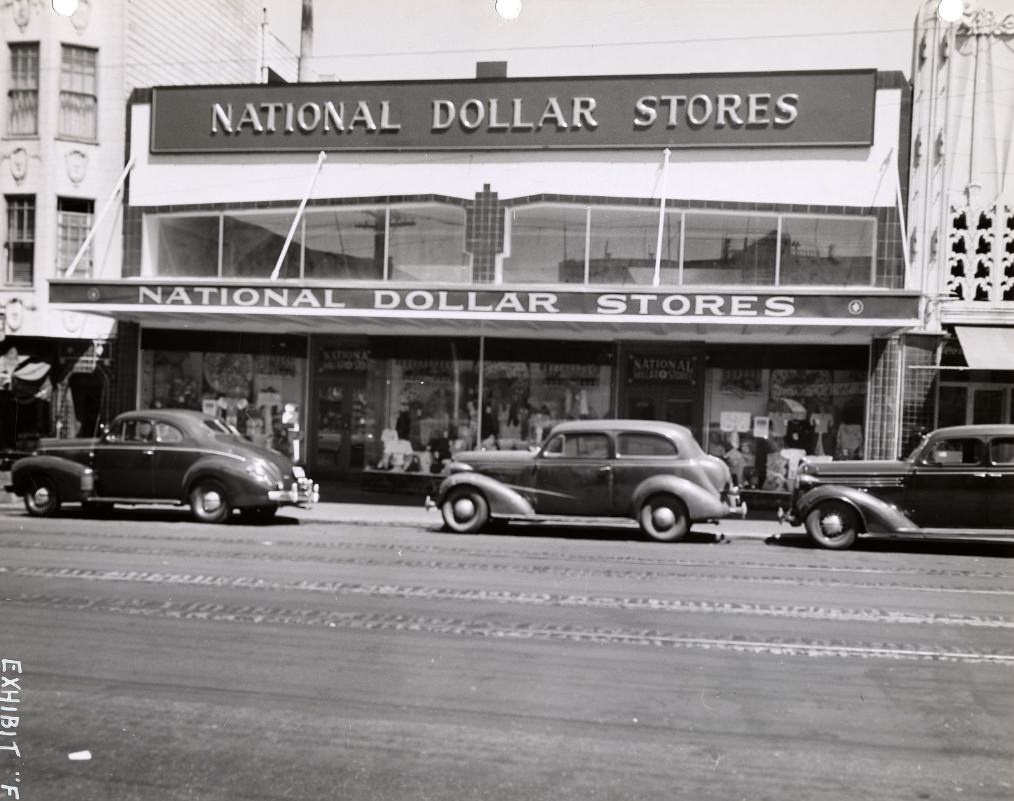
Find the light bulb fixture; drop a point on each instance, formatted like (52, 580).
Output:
(508, 9)
(65, 8)
(950, 10)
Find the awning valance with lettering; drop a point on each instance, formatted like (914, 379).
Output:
(723, 313)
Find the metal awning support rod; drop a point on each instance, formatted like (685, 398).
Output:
(321, 157)
(901, 215)
(657, 278)
(98, 220)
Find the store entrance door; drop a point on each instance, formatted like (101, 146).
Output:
(664, 385)
(339, 409)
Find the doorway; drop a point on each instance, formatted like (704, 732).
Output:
(664, 385)
(339, 426)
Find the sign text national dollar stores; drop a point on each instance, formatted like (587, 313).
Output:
(473, 301)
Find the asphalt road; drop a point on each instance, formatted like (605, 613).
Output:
(312, 661)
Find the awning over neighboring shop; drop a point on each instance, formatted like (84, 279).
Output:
(987, 348)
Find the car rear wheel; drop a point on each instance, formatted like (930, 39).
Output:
(41, 499)
(465, 510)
(664, 518)
(833, 524)
(209, 503)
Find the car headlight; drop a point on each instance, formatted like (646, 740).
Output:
(298, 471)
(262, 471)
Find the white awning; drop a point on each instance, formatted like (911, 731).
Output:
(987, 348)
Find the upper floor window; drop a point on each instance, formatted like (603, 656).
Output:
(78, 93)
(569, 244)
(23, 94)
(424, 242)
(73, 221)
(20, 243)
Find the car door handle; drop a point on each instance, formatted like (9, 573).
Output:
(606, 469)
(995, 475)
(149, 453)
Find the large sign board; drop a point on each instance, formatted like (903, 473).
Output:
(783, 109)
(494, 303)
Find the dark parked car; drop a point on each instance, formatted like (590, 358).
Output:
(652, 472)
(162, 456)
(958, 481)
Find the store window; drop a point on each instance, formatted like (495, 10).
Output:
(20, 242)
(78, 98)
(770, 408)
(530, 386)
(827, 251)
(421, 401)
(344, 244)
(23, 94)
(73, 221)
(255, 383)
(427, 243)
(252, 243)
(185, 245)
(724, 249)
(622, 245)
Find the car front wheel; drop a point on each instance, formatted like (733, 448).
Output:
(209, 503)
(833, 524)
(41, 499)
(664, 518)
(465, 510)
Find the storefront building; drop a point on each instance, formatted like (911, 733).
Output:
(372, 276)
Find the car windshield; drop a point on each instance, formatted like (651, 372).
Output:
(910, 456)
(217, 426)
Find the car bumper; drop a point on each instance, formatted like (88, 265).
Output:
(734, 503)
(302, 492)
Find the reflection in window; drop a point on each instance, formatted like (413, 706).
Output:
(187, 246)
(344, 244)
(622, 246)
(826, 250)
(252, 244)
(78, 86)
(729, 249)
(20, 240)
(427, 243)
(73, 220)
(547, 245)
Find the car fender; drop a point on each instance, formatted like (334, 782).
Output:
(503, 501)
(876, 514)
(701, 502)
(229, 472)
(73, 480)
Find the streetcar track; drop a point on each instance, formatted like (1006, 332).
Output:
(555, 571)
(375, 621)
(511, 597)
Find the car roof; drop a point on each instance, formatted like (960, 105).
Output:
(649, 426)
(981, 430)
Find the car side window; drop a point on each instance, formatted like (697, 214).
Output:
(137, 431)
(164, 432)
(1001, 451)
(960, 451)
(579, 446)
(644, 445)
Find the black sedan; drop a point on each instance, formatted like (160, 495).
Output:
(958, 482)
(162, 456)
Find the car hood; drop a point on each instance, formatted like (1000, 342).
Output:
(482, 458)
(47, 444)
(874, 467)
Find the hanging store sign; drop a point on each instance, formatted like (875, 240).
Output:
(679, 111)
(393, 301)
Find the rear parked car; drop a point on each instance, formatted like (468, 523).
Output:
(957, 482)
(162, 456)
(652, 472)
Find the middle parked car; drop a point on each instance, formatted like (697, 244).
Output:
(648, 471)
